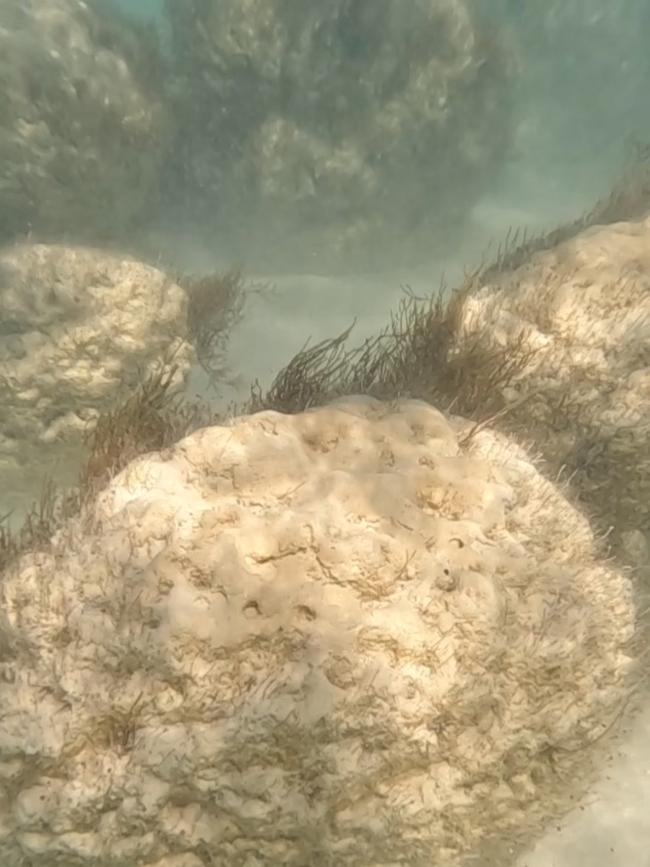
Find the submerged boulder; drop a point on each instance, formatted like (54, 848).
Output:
(362, 634)
(78, 327)
(313, 131)
(575, 321)
(82, 121)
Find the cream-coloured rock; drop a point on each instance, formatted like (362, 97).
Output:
(584, 308)
(82, 121)
(78, 326)
(352, 636)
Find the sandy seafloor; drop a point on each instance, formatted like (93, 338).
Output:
(612, 827)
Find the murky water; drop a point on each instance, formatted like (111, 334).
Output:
(571, 81)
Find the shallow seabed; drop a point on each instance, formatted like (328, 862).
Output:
(612, 826)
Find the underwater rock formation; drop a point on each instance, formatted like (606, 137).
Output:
(77, 327)
(363, 130)
(577, 316)
(82, 122)
(362, 634)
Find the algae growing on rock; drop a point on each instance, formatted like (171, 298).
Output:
(580, 312)
(78, 327)
(318, 638)
(375, 613)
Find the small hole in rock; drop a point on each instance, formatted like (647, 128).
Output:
(251, 609)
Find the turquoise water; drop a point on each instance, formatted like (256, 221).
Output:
(534, 119)
(318, 151)
(142, 9)
(583, 65)
(578, 87)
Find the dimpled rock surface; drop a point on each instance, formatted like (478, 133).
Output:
(77, 327)
(81, 121)
(334, 125)
(344, 637)
(584, 308)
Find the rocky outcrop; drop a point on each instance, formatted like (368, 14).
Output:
(82, 121)
(365, 633)
(78, 327)
(576, 318)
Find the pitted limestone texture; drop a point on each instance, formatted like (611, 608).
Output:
(578, 316)
(354, 635)
(78, 327)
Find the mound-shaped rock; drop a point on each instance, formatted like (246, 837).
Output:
(336, 129)
(77, 327)
(82, 123)
(355, 635)
(583, 308)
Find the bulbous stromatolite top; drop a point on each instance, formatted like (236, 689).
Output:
(583, 308)
(78, 327)
(348, 636)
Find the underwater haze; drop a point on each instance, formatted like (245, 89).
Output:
(335, 154)
(539, 131)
